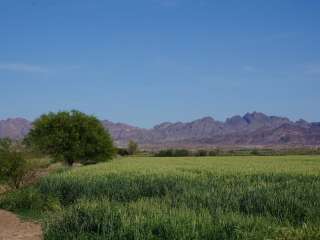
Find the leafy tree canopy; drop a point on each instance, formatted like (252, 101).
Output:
(71, 136)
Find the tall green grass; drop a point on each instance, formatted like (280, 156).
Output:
(184, 198)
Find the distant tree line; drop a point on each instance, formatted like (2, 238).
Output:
(131, 149)
(236, 152)
(186, 153)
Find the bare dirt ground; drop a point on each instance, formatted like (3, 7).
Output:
(12, 228)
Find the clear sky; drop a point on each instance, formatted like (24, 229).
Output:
(147, 61)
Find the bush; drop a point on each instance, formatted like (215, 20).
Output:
(255, 152)
(164, 153)
(173, 153)
(215, 152)
(202, 153)
(13, 167)
(182, 153)
(187, 153)
(122, 151)
(132, 147)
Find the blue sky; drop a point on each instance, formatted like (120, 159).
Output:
(148, 61)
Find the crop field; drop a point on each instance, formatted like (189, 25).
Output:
(179, 198)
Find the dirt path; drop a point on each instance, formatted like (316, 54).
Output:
(12, 228)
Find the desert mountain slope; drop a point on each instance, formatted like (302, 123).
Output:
(248, 130)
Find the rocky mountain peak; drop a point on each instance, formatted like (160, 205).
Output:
(252, 129)
(236, 120)
(162, 125)
(204, 120)
(302, 123)
(255, 117)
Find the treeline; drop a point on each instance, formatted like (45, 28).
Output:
(132, 149)
(237, 152)
(186, 153)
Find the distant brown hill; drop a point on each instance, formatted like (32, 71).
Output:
(15, 128)
(252, 129)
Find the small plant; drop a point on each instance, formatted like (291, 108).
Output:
(133, 147)
(13, 167)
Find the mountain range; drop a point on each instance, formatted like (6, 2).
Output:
(252, 129)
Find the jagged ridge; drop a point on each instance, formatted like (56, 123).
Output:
(251, 129)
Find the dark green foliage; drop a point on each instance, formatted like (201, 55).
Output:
(29, 198)
(13, 167)
(71, 136)
(5, 144)
(150, 220)
(173, 153)
(164, 153)
(133, 147)
(255, 152)
(236, 152)
(122, 151)
(112, 186)
(215, 152)
(181, 153)
(202, 153)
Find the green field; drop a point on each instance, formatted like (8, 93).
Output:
(179, 198)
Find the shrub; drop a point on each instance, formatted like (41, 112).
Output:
(173, 153)
(164, 153)
(122, 151)
(215, 152)
(182, 153)
(201, 153)
(13, 167)
(255, 152)
(132, 147)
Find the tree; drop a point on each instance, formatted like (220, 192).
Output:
(71, 136)
(5, 144)
(13, 167)
(202, 153)
(122, 151)
(132, 147)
